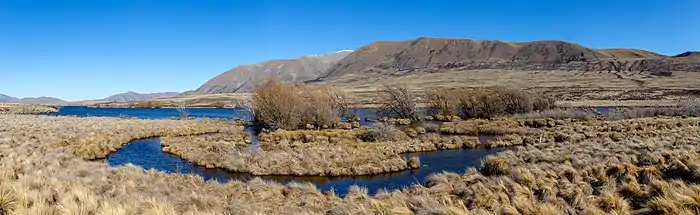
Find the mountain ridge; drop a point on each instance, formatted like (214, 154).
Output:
(436, 54)
(131, 96)
(242, 78)
(31, 100)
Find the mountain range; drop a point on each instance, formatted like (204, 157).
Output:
(242, 78)
(31, 100)
(134, 96)
(121, 97)
(425, 55)
(443, 54)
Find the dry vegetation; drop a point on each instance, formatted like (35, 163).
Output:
(280, 105)
(96, 137)
(589, 166)
(13, 108)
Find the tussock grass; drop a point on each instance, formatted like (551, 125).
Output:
(96, 137)
(482, 127)
(14, 108)
(651, 166)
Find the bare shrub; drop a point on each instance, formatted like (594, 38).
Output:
(442, 102)
(182, 110)
(397, 101)
(317, 106)
(385, 132)
(276, 104)
(280, 105)
(514, 101)
(543, 102)
(486, 104)
(341, 101)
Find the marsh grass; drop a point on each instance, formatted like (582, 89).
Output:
(651, 167)
(24, 109)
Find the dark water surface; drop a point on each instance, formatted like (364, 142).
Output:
(148, 154)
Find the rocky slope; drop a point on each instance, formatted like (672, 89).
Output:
(439, 54)
(134, 96)
(243, 78)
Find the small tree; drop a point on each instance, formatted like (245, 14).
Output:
(397, 101)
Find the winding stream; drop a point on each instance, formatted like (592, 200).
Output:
(148, 154)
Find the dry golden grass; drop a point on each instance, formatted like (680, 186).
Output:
(14, 108)
(589, 166)
(96, 137)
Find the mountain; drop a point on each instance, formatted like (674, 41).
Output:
(689, 55)
(31, 100)
(440, 54)
(243, 78)
(134, 96)
(41, 100)
(6, 98)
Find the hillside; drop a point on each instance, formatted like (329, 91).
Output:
(31, 100)
(133, 96)
(440, 54)
(243, 78)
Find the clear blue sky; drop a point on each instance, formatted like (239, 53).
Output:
(89, 49)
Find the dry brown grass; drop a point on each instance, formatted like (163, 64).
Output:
(96, 137)
(578, 167)
(14, 108)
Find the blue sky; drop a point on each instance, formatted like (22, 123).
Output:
(86, 49)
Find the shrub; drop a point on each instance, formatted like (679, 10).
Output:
(442, 102)
(485, 102)
(514, 101)
(397, 101)
(385, 132)
(540, 103)
(147, 104)
(280, 105)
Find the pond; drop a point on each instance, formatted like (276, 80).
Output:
(148, 154)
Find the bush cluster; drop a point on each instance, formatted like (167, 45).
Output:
(281, 105)
(484, 102)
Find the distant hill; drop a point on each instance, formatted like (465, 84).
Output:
(134, 96)
(6, 98)
(440, 54)
(31, 100)
(242, 78)
(689, 55)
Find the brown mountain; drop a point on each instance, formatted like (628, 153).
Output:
(436, 54)
(243, 78)
(630, 53)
